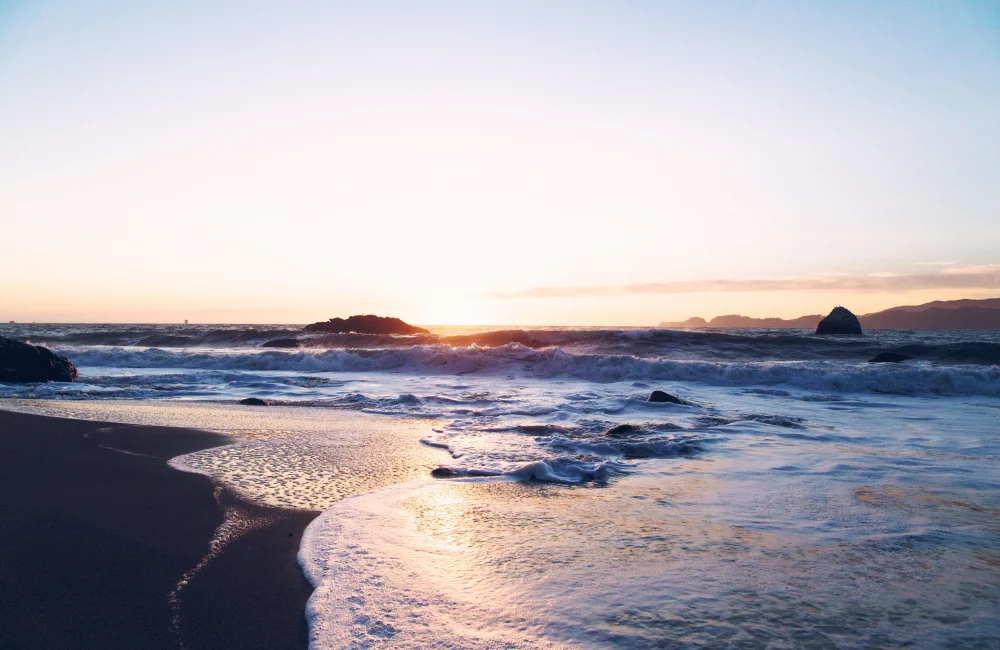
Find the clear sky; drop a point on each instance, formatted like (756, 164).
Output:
(504, 162)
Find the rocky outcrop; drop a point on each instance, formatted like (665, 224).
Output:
(889, 357)
(660, 396)
(365, 324)
(282, 343)
(22, 363)
(253, 401)
(839, 321)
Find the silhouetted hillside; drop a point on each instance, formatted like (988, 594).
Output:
(963, 314)
(737, 321)
(937, 318)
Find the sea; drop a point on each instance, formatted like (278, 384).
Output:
(794, 496)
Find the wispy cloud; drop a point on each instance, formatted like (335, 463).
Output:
(936, 263)
(971, 277)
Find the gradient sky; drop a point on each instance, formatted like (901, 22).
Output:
(508, 162)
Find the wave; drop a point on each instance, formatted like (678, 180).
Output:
(561, 470)
(827, 376)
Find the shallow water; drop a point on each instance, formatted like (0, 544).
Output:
(800, 498)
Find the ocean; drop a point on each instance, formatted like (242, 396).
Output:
(798, 496)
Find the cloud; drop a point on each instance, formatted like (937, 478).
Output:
(971, 277)
(984, 269)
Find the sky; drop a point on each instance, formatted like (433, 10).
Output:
(587, 163)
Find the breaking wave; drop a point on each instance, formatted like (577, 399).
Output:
(560, 470)
(520, 360)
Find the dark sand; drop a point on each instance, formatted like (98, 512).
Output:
(96, 530)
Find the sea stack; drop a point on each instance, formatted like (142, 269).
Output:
(23, 363)
(839, 321)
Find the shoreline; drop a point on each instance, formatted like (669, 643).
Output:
(99, 529)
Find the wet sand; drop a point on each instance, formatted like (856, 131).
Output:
(97, 530)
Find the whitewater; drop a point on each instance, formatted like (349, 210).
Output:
(797, 496)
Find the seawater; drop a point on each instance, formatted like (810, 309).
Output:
(801, 497)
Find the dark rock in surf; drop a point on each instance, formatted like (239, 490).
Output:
(660, 396)
(839, 321)
(23, 363)
(253, 401)
(622, 430)
(282, 343)
(365, 324)
(889, 357)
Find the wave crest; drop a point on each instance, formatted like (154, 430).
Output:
(828, 376)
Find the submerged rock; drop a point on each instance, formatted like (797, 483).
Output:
(23, 363)
(622, 430)
(282, 343)
(253, 401)
(660, 396)
(889, 357)
(365, 324)
(839, 321)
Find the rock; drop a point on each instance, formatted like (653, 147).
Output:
(282, 343)
(20, 362)
(889, 357)
(366, 324)
(660, 396)
(622, 430)
(253, 401)
(839, 321)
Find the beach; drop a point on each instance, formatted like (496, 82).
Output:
(787, 494)
(98, 530)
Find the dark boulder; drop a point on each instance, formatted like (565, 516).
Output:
(20, 363)
(282, 343)
(839, 321)
(253, 401)
(889, 357)
(622, 430)
(365, 324)
(660, 396)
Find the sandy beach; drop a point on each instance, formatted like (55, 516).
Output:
(98, 530)
(565, 513)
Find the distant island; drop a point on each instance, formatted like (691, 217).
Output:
(365, 324)
(938, 315)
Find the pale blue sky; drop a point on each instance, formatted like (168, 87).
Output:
(439, 161)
